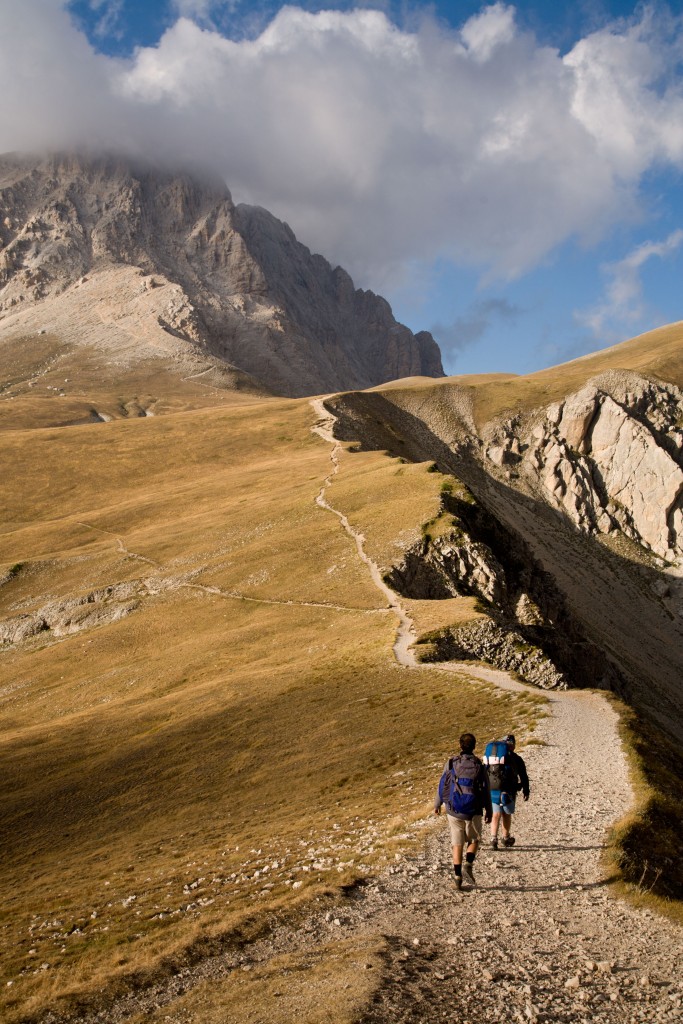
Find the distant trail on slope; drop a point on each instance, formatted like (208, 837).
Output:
(120, 544)
(406, 635)
(233, 595)
(201, 384)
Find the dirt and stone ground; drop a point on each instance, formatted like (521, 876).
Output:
(540, 938)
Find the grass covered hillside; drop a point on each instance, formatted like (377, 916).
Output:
(481, 398)
(657, 353)
(626, 602)
(202, 720)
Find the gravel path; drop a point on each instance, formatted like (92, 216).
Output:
(540, 938)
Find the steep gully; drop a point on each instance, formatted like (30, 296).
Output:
(406, 635)
(529, 630)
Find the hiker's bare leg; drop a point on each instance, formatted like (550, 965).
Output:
(473, 847)
(507, 823)
(495, 820)
(457, 854)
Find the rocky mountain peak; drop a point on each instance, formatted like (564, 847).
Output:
(251, 295)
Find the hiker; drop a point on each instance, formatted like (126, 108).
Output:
(507, 776)
(464, 789)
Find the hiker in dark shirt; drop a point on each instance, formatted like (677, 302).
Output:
(464, 789)
(515, 780)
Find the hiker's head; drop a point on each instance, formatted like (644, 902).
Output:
(510, 740)
(467, 743)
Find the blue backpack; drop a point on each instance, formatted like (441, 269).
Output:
(459, 789)
(497, 761)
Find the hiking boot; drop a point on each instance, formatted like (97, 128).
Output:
(494, 843)
(508, 841)
(468, 875)
(458, 883)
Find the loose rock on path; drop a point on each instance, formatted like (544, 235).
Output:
(539, 939)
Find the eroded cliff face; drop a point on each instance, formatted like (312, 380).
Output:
(610, 457)
(528, 629)
(204, 277)
(572, 537)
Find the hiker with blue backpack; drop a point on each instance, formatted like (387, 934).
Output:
(464, 789)
(507, 777)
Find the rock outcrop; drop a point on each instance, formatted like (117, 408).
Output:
(504, 648)
(227, 281)
(610, 456)
(523, 624)
(451, 565)
(71, 615)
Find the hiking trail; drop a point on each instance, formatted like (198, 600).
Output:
(405, 637)
(540, 939)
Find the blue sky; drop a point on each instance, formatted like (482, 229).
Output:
(118, 26)
(508, 176)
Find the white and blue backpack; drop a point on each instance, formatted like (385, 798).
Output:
(497, 761)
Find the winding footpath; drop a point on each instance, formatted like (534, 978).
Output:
(540, 938)
(405, 636)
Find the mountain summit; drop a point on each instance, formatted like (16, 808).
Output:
(142, 262)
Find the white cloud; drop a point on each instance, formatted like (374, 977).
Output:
(192, 8)
(203, 10)
(483, 33)
(623, 304)
(110, 12)
(627, 91)
(382, 147)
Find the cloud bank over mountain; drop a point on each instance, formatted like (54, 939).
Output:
(382, 147)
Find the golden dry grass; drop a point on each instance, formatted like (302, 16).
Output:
(645, 844)
(330, 984)
(657, 353)
(253, 683)
(435, 616)
(46, 383)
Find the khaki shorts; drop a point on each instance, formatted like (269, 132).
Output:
(464, 832)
